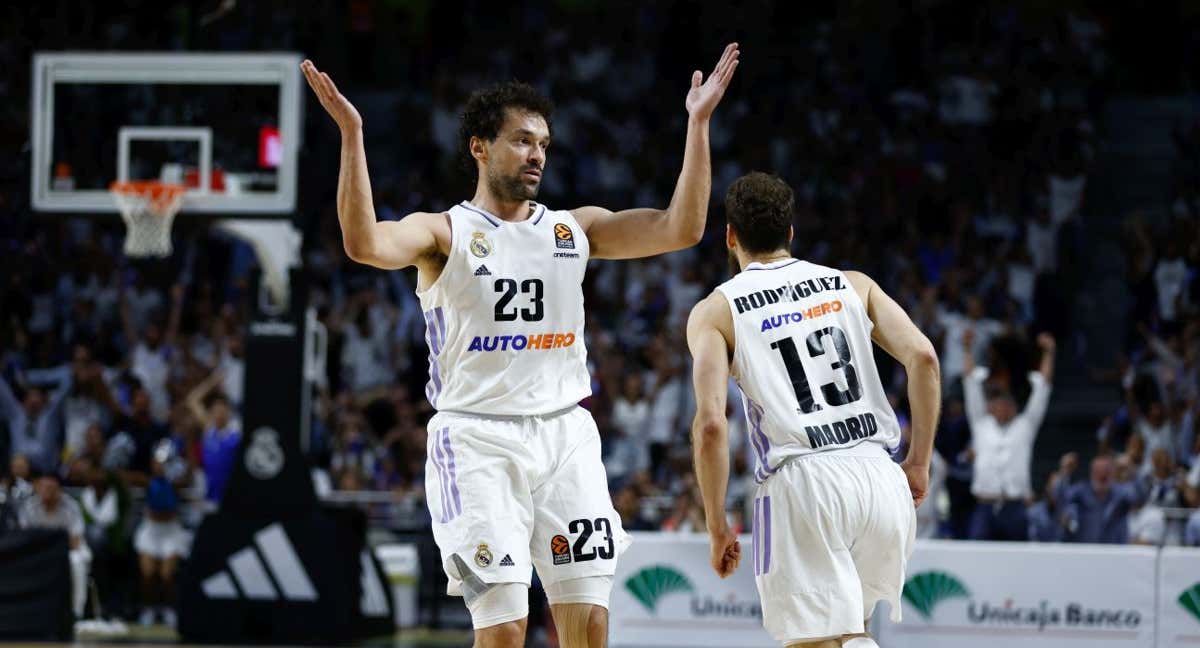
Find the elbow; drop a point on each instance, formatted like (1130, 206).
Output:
(358, 251)
(925, 360)
(708, 431)
(693, 233)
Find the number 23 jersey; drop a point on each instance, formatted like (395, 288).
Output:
(804, 361)
(504, 320)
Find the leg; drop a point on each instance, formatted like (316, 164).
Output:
(581, 625)
(1014, 522)
(503, 635)
(981, 522)
(81, 561)
(580, 609)
(148, 568)
(577, 533)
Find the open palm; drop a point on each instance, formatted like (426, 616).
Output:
(334, 103)
(703, 98)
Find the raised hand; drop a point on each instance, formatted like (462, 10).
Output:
(703, 98)
(338, 107)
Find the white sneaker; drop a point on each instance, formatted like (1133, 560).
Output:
(169, 617)
(147, 617)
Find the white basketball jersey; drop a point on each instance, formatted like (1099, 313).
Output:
(804, 362)
(504, 320)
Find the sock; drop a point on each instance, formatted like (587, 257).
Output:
(861, 642)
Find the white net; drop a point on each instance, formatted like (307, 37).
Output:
(148, 209)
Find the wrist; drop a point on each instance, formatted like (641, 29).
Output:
(694, 120)
(351, 131)
(716, 524)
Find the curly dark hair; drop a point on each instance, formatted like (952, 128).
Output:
(485, 110)
(759, 209)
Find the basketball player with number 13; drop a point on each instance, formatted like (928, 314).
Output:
(513, 476)
(834, 518)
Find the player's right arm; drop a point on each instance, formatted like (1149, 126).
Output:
(895, 332)
(709, 333)
(390, 244)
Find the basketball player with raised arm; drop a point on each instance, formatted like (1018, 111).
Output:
(834, 517)
(514, 479)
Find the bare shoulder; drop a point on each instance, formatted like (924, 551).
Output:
(588, 214)
(863, 285)
(712, 312)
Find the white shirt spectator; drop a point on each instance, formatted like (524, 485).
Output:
(151, 367)
(233, 376)
(631, 417)
(102, 510)
(670, 402)
(1162, 436)
(955, 325)
(1003, 452)
(1170, 276)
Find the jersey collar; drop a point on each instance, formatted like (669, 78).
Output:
(774, 265)
(539, 211)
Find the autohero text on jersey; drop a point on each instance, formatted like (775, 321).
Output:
(540, 342)
(788, 292)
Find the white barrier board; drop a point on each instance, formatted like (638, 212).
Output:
(665, 594)
(1179, 597)
(998, 595)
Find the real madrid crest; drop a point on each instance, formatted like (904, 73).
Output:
(483, 556)
(480, 246)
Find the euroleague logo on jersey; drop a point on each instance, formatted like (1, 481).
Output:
(564, 237)
(560, 549)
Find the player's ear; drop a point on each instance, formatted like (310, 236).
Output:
(791, 234)
(478, 147)
(730, 238)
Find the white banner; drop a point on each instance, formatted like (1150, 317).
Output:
(1179, 597)
(999, 595)
(665, 594)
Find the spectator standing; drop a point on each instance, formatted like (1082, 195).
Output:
(1003, 443)
(222, 436)
(160, 539)
(1098, 510)
(35, 422)
(50, 509)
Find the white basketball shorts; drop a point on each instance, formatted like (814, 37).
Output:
(508, 494)
(832, 534)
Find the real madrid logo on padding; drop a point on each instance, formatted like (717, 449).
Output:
(480, 246)
(483, 557)
(264, 455)
(564, 237)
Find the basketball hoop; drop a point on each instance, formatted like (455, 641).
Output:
(148, 208)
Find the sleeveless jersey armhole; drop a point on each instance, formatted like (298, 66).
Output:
(429, 290)
(736, 355)
(866, 314)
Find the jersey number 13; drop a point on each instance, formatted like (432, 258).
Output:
(816, 348)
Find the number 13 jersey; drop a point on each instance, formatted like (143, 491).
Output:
(804, 361)
(504, 320)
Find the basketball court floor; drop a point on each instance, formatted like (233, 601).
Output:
(157, 636)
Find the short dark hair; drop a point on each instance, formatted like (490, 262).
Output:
(759, 208)
(486, 108)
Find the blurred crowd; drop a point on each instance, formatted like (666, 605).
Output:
(946, 152)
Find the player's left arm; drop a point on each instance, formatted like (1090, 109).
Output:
(708, 330)
(641, 232)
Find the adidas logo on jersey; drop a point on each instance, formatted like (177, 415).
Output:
(482, 271)
(507, 561)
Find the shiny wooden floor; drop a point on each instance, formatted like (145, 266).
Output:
(140, 637)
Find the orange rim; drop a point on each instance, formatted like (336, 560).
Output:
(159, 195)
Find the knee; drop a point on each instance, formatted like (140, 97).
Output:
(597, 620)
(509, 633)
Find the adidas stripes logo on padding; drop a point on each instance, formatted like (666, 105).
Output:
(506, 561)
(271, 546)
(482, 271)
(251, 578)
